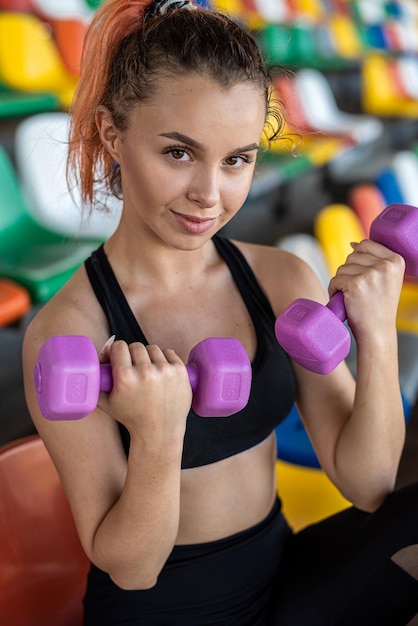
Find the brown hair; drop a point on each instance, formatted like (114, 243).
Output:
(123, 56)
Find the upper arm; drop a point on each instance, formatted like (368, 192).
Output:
(325, 402)
(87, 453)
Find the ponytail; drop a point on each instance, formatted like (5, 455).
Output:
(87, 160)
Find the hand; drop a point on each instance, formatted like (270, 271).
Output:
(371, 280)
(151, 392)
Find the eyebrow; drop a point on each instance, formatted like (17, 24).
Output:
(198, 146)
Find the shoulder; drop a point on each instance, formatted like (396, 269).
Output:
(283, 276)
(74, 310)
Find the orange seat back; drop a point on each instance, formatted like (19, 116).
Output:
(42, 565)
(69, 36)
(15, 301)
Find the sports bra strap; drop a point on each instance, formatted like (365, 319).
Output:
(111, 297)
(244, 277)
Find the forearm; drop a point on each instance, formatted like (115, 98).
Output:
(370, 444)
(137, 535)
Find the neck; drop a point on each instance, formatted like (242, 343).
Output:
(150, 261)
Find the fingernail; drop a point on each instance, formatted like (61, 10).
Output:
(354, 244)
(107, 344)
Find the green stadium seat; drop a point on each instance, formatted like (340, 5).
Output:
(32, 256)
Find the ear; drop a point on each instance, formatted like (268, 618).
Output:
(109, 134)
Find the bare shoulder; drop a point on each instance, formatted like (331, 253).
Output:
(73, 310)
(283, 276)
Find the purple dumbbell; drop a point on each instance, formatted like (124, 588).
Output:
(314, 335)
(69, 377)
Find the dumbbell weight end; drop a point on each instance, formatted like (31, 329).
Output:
(226, 392)
(396, 227)
(298, 327)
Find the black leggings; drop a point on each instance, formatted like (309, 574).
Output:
(339, 572)
(219, 583)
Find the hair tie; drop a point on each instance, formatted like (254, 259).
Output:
(161, 7)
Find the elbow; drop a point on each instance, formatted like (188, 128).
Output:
(133, 578)
(371, 502)
(136, 574)
(138, 571)
(369, 490)
(139, 583)
(128, 577)
(368, 506)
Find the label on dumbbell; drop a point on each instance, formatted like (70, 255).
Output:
(76, 388)
(393, 214)
(231, 387)
(298, 312)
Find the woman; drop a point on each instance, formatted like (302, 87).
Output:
(177, 513)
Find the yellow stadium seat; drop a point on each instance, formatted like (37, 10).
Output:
(407, 317)
(335, 226)
(309, 9)
(29, 58)
(307, 494)
(380, 92)
(345, 36)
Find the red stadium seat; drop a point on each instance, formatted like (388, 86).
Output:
(42, 565)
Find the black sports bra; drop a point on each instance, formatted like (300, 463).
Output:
(273, 389)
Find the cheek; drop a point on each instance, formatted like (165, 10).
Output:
(144, 182)
(236, 193)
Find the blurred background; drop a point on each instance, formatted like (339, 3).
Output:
(350, 148)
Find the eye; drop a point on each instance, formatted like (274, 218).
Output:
(238, 160)
(177, 153)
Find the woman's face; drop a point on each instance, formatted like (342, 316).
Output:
(187, 157)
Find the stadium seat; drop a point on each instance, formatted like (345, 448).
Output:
(40, 147)
(14, 301)
(32, 256)
(42, 565)
(29, 58)
(307, 494)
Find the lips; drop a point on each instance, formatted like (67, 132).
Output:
(194, 224)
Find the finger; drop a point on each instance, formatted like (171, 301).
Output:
(139, 353)
(369, 247)
(172, 356)
(358, 262)
(155, 354)
(119, 353)
(104, 352)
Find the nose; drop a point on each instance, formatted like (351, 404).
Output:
(204, 187)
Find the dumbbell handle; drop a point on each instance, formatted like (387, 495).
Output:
(106, 378)
(336, 305)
